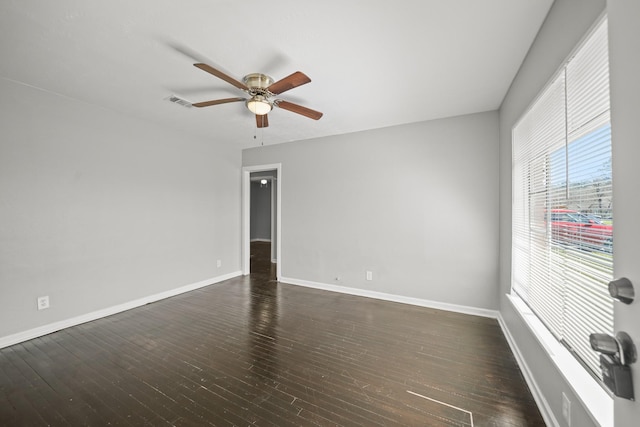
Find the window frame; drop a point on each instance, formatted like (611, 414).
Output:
(593, 395)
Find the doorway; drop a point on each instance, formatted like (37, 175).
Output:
(261, 225)
(263, 261)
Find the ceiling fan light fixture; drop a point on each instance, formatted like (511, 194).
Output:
(259, 105)
(261, 90)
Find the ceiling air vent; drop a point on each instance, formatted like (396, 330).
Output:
(177, 100)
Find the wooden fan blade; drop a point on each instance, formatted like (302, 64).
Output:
(299, 109)
(216, 102)
(219, 74)
(294, 80)
(262, 121)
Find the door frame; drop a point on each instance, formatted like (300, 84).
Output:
(246, 215)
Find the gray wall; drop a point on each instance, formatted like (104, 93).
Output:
(99, 209)
(566, 24)
(417, 205)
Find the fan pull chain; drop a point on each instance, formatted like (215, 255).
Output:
(255, 135)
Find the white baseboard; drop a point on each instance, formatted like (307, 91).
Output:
(19, 337)
(538, 396)
(394, 298)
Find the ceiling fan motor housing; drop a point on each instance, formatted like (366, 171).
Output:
(257, 81)
(259, 103)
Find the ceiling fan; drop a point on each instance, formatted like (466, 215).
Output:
(262, 90)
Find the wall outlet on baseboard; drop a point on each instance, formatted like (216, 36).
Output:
(219, 263)
(43, 302)
(566, 409)
(369, 275)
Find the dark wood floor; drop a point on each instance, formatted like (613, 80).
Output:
(254, 352)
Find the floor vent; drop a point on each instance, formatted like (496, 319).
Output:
(177, 100)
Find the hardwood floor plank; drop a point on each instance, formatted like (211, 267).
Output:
(150, 373)
(24, 413)
(223, 378)
(252, 351)
(142, 402)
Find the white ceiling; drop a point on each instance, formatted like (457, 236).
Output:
(372, 63)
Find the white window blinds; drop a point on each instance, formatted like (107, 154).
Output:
(562, 254)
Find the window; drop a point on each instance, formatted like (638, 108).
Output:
(562, 254)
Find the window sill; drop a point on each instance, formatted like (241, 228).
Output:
(594, 399)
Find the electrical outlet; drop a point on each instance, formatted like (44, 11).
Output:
(43, 302)
(369, 275)
(219, 263)
(566, 409)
